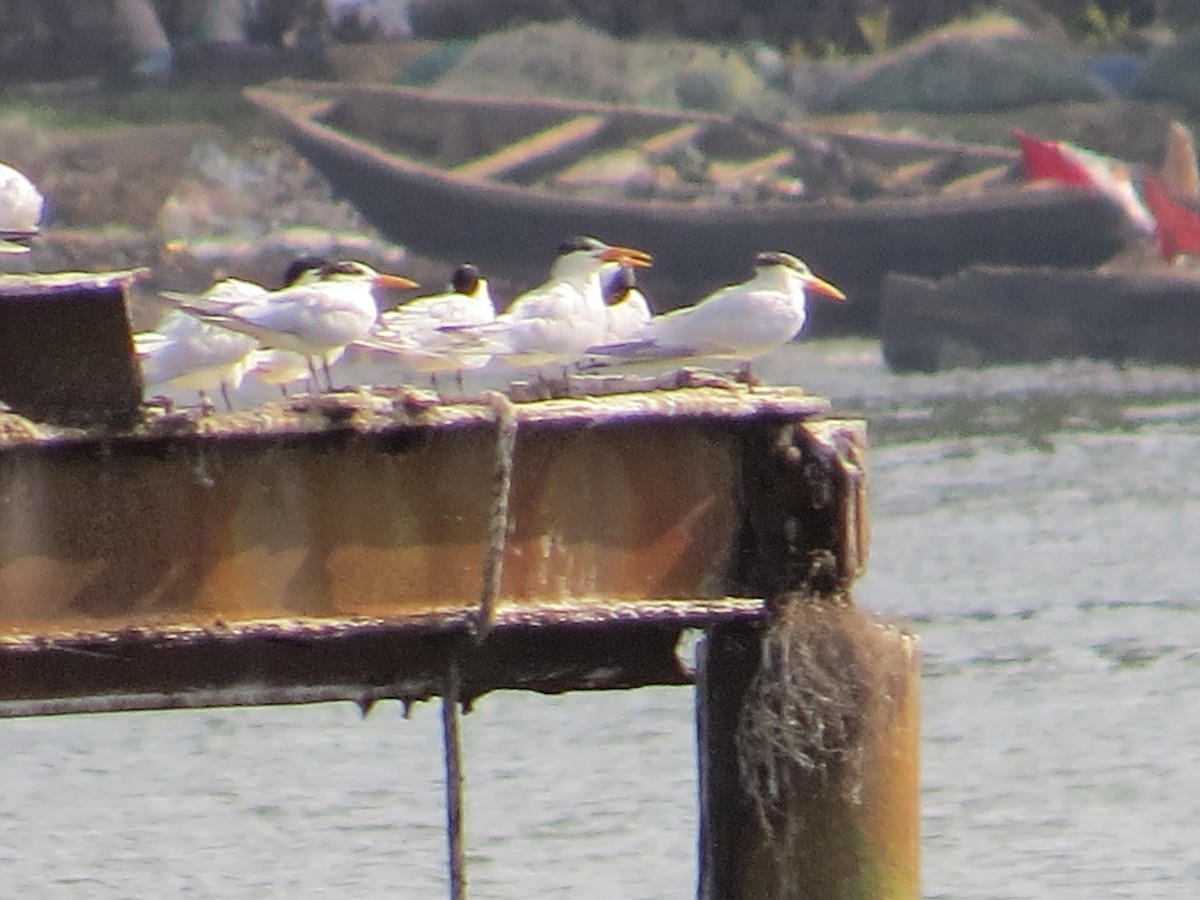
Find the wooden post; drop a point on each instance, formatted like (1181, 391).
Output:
(808, 757)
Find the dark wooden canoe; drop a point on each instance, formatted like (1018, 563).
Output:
(987, 316)
(497, 182)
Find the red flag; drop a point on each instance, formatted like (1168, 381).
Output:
(1177, 227)
(1050, 161)
(1076, 167)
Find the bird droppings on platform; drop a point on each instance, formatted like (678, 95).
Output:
(41, 284)
(598, 401)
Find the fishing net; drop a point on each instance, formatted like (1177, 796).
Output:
(803, 719)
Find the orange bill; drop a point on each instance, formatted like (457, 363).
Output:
(824, 287)
(393, 282)
(628, 256)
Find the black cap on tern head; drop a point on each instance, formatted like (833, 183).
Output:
(300, 265)
(580, 242)
(465, 279)
(779, 258)
(811, 281)
(346, 267)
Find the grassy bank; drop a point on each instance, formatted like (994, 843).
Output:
(221, 106)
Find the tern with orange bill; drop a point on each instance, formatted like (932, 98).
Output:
(188, 353)
(740, 322)
(414, 331)
(554, 323)
(317, 317)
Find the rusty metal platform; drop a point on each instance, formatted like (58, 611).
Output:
(66, 355)
(339, 547)
(384, 544)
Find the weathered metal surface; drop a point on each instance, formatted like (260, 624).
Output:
(369, 513)
(581, 645)
(364, 521)
(827, 807)
(805, 491)
(65, 350)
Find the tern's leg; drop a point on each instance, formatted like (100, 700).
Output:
(328, 374)
(225, 396)
(167, 404)
(433, 381)
(283, 390)
(568, 384)
(312, 370)
(746, 376)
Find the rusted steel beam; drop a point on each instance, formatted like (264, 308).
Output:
(65, 351)
(363, 518)
(297, 552)
(585, 645)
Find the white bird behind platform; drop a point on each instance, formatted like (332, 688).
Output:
(281, 367)
(187, 353)
(740, 322)
(317, 317)
(414, 332)
(626, 306)
(21, 206)
(555, 322)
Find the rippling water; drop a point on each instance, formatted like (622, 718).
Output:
(1037, 526)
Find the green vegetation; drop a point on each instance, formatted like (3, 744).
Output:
(566, 59)
(816, 28)
(221, 106)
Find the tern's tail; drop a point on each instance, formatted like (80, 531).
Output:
(487, 338)
(639, 351)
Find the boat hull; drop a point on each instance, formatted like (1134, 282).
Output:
(511, 229)
(988, 316)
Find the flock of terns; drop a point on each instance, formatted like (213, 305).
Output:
(587, 315)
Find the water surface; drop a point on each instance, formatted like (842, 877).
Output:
(1036, 525)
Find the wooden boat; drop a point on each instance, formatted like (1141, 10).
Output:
(987, 316)
(501, 182)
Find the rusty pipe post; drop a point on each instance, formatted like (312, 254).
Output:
(809, 758)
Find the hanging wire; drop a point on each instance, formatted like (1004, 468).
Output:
(454, 784)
